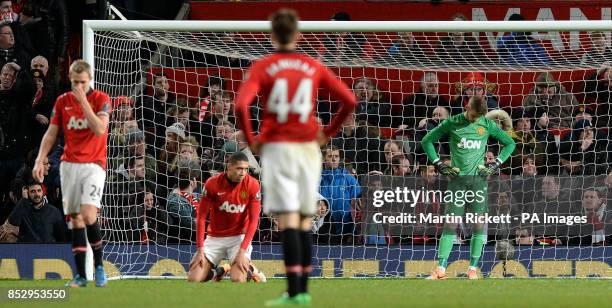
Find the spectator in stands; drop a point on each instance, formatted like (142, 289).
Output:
(223, 133)
(523, 237)
(549, 103)
(581, 153)
(135, 147)
(598, 53)
(9, 50)
(182, 202)
(474, 84)
(359, 144)
(502, 205)
(9, 17)
(50, 186)
(529, 167)
(598, 87)
(320, 220)
(41, 106)
(551, 199)
(16, 90)
(125, 195)
(34, 220)
(153, 110)
(187, 150)
(391, 149)
(6, 12)
(121, 122)
(214, 86)
(40, 63)
(46, 22)
(243, 147)
(17, 190)
(425, 125)
(408, 50)
(421, 105)
(342, 191)
(598, 216)
(524, 185)
(519, 48)
(372, 106)
(175, 134)
(123, 109)
(155, 219)
(459, 49)
(344, 46)
(528, 144)
(400, 166)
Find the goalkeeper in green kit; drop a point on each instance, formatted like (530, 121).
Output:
(468, 135)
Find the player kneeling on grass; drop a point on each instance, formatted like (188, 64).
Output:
(232, 201)
(468, 134)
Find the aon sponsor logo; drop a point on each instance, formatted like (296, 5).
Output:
(469, 144)
(76, 123)
(232, 208)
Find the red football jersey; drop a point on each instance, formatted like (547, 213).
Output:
(234, 208)
(288, 83)
(81, 143)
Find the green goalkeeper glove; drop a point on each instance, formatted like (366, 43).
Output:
(445, 169)
(489, 169)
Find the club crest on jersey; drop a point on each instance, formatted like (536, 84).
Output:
(480, 130)
(469, 144)
(232, 208)
(76, 123)
(243, 194)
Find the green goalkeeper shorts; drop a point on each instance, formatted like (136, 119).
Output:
(467, 192)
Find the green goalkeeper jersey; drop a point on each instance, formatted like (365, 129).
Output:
(468, 142)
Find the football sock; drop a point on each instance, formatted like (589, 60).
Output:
(306, 260)
(445, 247)
(292, 250)
(79, 248)
(95, 240)
(476, 244)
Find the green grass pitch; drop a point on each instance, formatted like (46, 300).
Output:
(335, 293)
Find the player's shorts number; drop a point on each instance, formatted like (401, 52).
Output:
(301, 103)
(96, 192)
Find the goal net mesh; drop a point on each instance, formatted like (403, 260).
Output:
(549, 91)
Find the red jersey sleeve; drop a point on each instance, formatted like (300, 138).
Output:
(102, 104)
(340, 92)
(56, 113)
(246, 95)
(254, 211)
(202, 213)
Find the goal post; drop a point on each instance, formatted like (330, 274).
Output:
(540, 178)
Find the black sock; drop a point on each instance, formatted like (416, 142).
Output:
(293, 260)
(306, 239)
(95, 240)
(79, 248)
(210, 275)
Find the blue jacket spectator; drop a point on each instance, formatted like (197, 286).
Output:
(520, 48)
(341, 189)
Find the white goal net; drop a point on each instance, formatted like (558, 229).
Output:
(174, 83)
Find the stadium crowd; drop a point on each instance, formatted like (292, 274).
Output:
(162, 148)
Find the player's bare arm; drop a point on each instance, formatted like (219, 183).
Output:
(45, 147)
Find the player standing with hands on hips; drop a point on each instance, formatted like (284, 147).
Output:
(290, 141)
(83, 115)
(468, 134)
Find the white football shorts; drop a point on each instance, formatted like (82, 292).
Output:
(291, 174)
(82, 183)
